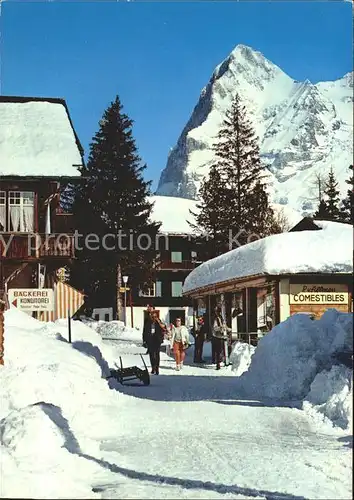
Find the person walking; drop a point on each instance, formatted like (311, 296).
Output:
(220, 331)
(200, 333)
(179, 342)
(153, 336)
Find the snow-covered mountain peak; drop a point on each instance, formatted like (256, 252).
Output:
(303, 128)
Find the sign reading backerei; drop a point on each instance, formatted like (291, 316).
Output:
(319, 294)
(32, 299)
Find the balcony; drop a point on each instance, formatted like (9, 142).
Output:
(186, 265)
(29, 246)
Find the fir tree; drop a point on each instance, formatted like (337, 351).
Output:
(328, 208)
(233, 198)
(347, 203)
(332, 194)
(211, 232)
(322, 212)
(113, 200)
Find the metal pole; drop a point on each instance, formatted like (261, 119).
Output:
(125, 304)
(131, 309)
(69, 325)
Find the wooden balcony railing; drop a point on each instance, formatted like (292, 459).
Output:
(34, 246)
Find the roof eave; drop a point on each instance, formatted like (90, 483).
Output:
(269, 276)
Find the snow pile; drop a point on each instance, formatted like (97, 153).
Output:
(116, 330)
(45, 385)
(331, 394)
(241, 357)
(328, 250)
(36, 138)
(292, 356)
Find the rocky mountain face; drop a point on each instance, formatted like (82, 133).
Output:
(303, 129)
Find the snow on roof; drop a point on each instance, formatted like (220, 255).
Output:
(329, 250)
(37, 138)
(173, 213)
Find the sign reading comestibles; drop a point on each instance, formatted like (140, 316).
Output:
(32, 299)
(319, 294)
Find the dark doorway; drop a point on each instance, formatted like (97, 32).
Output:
(177, 313)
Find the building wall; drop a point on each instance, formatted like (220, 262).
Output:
(284, 305)
(165, 315)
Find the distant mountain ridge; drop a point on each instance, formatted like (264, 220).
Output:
(303, 128)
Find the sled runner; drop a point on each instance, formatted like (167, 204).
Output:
(131, 373)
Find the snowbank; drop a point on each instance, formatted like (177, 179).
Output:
(54, 400)
(241, 357)
(331, 394)
(116, 330)
(328, 250)
(288, 362)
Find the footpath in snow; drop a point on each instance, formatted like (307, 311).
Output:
(276, 425)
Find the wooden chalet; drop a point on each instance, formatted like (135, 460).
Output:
(254, 297)
(39, 154)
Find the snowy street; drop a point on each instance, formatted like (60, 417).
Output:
(187, 435)
(69, 432)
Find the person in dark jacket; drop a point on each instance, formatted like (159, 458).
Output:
(200, 333)
(153, 335)
(220, 334)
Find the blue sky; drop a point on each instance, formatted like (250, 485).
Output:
(157, 56)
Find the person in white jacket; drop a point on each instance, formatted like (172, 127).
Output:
(179, 342)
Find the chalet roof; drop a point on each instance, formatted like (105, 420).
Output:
(313, 224)
(37, 138)
(328, 250)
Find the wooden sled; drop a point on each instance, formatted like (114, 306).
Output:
(131, 373)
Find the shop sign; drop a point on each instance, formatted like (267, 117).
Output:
(318, 294)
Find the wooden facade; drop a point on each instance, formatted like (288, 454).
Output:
(36, 236)
(174, 261)
(253, 306)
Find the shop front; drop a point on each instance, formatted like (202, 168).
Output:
(252, 308)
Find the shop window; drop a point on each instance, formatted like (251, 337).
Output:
(265, 309)
(238, 318)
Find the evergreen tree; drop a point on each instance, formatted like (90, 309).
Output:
(233, 198)
(112, 200)
(322, 212)
(332, 194)
(347, 203)
(211, 233)
(328, 208)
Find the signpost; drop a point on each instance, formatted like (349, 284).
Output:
(32, 299)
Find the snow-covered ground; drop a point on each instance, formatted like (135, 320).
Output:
(67, 431)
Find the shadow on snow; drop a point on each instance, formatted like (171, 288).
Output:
(72, 446)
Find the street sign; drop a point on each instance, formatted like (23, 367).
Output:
(122, 289)
(32, 299)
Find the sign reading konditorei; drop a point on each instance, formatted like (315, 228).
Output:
(32, 299)
(319, 294)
